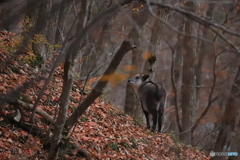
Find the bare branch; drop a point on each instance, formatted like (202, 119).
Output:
(174, 89)
(175, 29)
(206, 136)
(210, 100)
(44, 114)
(47, 81)
(225, 39)
(193, 16)
(98, 89)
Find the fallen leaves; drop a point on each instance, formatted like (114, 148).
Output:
(105, 131)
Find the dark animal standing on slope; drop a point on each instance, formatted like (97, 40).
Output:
(152, 97)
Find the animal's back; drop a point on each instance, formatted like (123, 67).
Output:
(151, 95)
(150, 89)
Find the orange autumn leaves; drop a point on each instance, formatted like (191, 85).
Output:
(115, 79)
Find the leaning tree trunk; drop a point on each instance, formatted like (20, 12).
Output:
(188, 92)
(69, 64)
(98, 89)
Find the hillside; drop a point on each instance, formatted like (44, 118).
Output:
(104, 130)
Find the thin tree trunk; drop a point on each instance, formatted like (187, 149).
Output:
(39, 43)
(64, 8)
(176, 75)
(132, 105)
(64, 98)
(28, 28)
(204, 50)
(156, 37)
(188, 92)
(52, 24)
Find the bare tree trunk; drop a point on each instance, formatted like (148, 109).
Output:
(69, 64)
(64, 98)
(204, 50)
(28, 28)
(188, 92)
(83, 18)
(178, 56)
(176, 75)
(52, 23)
(132, 105)
(156, 37)
(40, 43)
(230, 122)
(64, 8)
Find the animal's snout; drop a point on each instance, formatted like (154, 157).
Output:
(129, 81)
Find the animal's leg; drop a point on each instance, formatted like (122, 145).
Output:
(159, 121)
(160, 116)
(147, 119)
(154, 119)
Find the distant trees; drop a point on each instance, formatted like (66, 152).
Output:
(198, 64)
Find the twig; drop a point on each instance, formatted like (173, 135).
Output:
(225, 39)
(205, 136)
(85, 82)
(164, 131)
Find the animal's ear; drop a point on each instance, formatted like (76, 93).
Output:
(145, 76)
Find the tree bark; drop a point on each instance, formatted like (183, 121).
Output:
(188, 92)
(132, 105)
(204, 50)
(64, 98)
(64, 8)
(156, 37)
(52, 23)
(39, 34)
(230, 121)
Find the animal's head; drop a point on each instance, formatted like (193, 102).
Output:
(137, 80)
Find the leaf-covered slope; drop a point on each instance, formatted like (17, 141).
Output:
(107, 133)
(104, 130)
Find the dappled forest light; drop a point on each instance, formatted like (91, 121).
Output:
(64, 67)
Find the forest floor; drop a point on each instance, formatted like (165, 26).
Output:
(104, 130)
